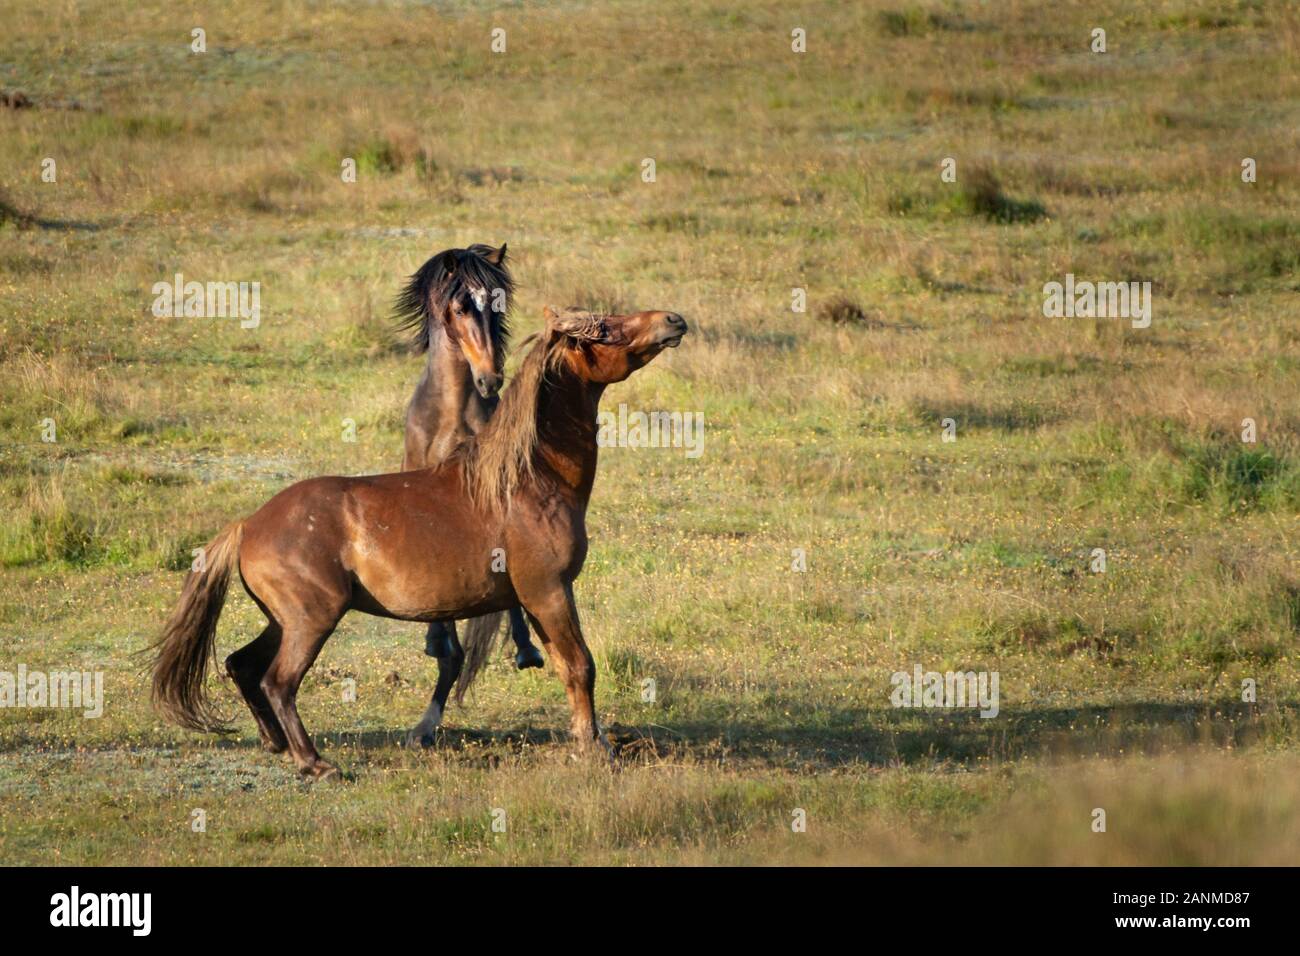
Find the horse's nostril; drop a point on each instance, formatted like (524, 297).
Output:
(676, 320)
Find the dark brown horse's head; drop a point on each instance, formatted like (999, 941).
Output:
(609, 348)
(468, 293)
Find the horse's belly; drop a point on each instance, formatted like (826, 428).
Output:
(428, 577)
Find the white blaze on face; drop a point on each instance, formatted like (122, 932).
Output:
(479, 295)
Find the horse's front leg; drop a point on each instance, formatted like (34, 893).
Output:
(555, 617)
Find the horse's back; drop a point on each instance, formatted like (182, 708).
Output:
(401, 537)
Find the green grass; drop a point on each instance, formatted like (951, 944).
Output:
(774, 171)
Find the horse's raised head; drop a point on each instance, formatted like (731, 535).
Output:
(468, 292)
(609, 348)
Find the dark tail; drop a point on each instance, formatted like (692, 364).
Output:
(190, 636)
(480, 637)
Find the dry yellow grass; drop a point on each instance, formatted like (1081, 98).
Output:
(774, 171)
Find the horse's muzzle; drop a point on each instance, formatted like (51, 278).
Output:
(674, 328)
(488, 384)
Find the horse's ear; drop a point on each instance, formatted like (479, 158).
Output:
(549, 314)
(497, 256)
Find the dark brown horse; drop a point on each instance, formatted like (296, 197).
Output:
(394, 545)
(457, 305)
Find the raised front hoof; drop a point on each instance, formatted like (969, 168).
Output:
(527, 657)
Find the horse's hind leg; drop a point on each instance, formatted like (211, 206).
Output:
(298, 649)
(526, 655)
(449, 666)
(246, 668)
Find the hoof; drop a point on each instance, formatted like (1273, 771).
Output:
(422, 739)
(527, 657)
(321, 770)
(585, 745)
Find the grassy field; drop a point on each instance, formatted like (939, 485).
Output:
(774, 171)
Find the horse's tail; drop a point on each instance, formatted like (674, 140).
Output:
(190, 636)
(481, 634)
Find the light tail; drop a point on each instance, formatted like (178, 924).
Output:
(189, 638)
(480, 637)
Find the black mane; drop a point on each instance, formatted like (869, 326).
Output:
(444, 277)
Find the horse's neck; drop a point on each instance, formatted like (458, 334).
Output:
(566, 432)
(445, 402)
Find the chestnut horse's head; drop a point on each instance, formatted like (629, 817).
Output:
(467, 293)
(593, 348)
(609, 348)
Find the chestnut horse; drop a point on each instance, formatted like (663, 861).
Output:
(394, 545)
(457, 306)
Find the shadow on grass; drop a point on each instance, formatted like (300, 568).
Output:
(906, 737)
(819, 739)
(1006, 417)
(10, 214)
(856, 736)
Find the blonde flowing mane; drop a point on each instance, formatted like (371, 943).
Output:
(500, 458)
